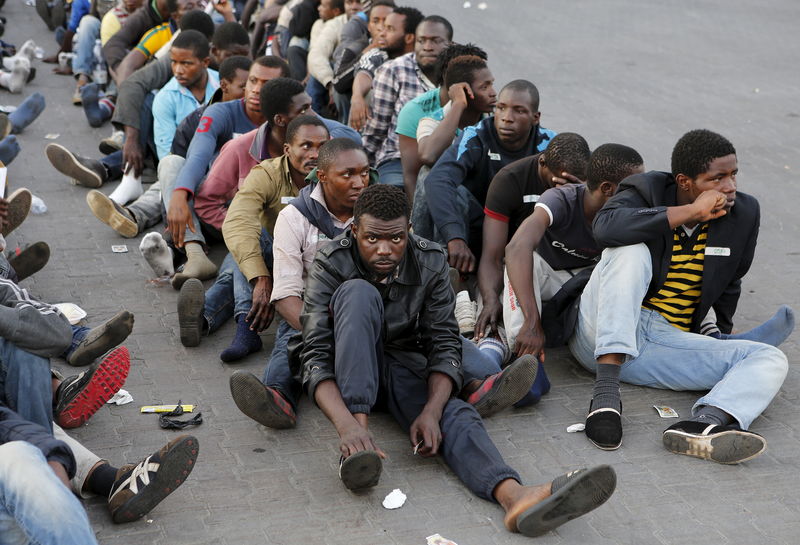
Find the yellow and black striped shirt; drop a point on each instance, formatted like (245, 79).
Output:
(677, 299)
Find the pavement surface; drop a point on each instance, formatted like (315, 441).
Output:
(635, 72)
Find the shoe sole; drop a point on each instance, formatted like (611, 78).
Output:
(512, 386)
(191, 301)
(31, 260)
(175, 467)
(113, 333)
(585, 492)
(67, 164)
(106, 381)
(728, 447)
(252, 398)
(19, 206)
(604, 446)
(103, 209)
(361, 470)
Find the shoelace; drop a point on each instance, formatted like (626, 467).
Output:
(139, 473)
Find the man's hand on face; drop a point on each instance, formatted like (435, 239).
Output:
(356, 438)
(460, 94)
(709, 205)
(426, 429)
(460, 257)
(262, 311)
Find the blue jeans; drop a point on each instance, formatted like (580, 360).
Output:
(79, 333)
(232, 295)
(277, 374)
(88, 33)
(35, 506)
(25, 384)
(318, 94)
(742, 376)
(391, 172)
(466, 204)
(368, 375)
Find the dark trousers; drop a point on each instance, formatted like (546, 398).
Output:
(113, 161)
(369, 375)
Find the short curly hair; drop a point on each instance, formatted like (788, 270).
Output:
(451, 52)
(567, 152)
(695, 151)
(382, 201)
(611, 163)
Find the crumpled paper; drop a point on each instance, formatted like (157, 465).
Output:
(394, 500)
(123, 397)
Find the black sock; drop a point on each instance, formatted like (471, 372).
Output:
(712, 415)
(101, 480)
(606, 387)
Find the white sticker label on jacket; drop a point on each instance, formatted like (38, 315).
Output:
(494, 156)
(530, 198)
(286, 200)
(713, 250)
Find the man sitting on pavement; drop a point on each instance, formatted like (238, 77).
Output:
(299, 233)
(242, 289)
(555, 242)
(455, 189)
(395, 83)
(512, 195)
(676, 245)
(378, 324)
(131, 220)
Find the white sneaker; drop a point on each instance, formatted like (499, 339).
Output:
(466, 313)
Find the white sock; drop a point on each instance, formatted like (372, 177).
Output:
(129, 189)
(157, 254)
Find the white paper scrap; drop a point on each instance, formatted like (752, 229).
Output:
(394, 500)
(483, 5)
(580, 426)
(123, 397)
(436, 539)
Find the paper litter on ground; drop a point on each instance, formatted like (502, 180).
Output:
(574, 428)
(123, 397)
(394, 499)
(436, 539)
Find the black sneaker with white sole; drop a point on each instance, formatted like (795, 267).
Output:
(721, 444)
(84, 171)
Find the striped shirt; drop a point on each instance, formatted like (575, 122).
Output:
(155, 39)
(678, 298)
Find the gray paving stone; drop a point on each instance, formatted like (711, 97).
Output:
(640, 73)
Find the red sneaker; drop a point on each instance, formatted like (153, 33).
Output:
(503, 389)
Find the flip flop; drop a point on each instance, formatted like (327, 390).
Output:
(572, 495)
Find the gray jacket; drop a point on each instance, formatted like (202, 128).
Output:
(33, 326)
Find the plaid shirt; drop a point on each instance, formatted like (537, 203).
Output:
(395, 83)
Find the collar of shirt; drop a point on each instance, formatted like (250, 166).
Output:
(211, 86)
(319, 196)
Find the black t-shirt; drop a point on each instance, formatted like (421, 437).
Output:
(514, 191)
(568, 242)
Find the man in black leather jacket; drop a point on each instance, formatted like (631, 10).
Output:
(379, 330)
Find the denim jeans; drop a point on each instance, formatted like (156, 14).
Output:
(391, 172)
(742, 376)
(88, 33)
(232, 295)
(35, 506)
(422, 220)
(79, 333)
(318, 94)
(25, 384)
(277, 373)
(368, 375)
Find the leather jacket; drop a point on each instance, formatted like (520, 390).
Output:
(419, 307)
